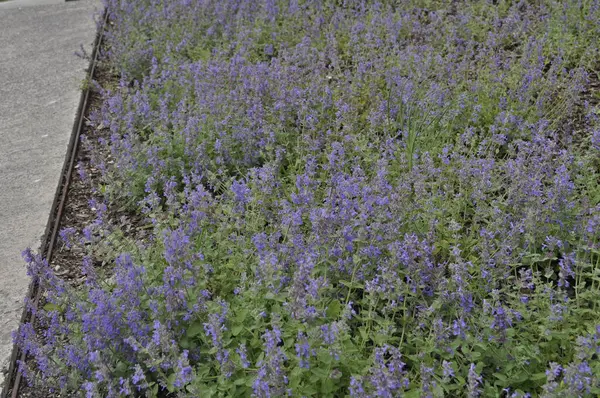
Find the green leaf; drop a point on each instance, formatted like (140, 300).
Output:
(171, 382)
(314, 379)
(538, 376)
(153, 391)
(353, 285)
(320, 373)
(520, 378)
(309, 390)
(241, 315)
(334, 309)
(363, 332)
(380, 339)
(325, 357)
(239, 381)
(479, 367)
(121, 367)
(237, 329)
(413, 394)
(296, 375)
(276, 297)
(261, 356)
(184, 342)
(327, 387)
(195, 329)
(51, 307)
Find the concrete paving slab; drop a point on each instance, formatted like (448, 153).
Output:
(40, 79)
(6, 4)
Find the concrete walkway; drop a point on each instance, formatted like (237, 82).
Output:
(40, 79)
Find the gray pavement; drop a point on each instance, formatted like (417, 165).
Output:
(40, 79)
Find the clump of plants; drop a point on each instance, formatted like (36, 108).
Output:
(346, 198)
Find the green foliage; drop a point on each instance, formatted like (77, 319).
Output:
(357, 198)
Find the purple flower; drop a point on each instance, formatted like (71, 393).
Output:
(447, 370)
(578, 378)
(184, 371)
(271, 379)
(67, 234)
(474, 382)
(243, 356)
(138, 377)
(303, 350)
(241, 191)
(596, 139)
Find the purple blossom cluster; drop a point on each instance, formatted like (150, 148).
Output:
(372, 198)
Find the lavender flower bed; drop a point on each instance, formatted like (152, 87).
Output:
(346, 198)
